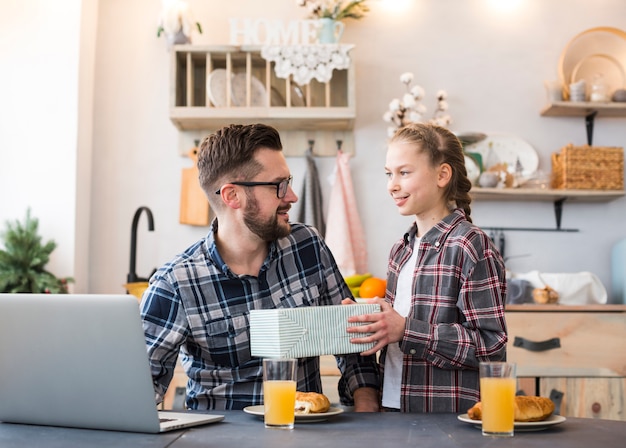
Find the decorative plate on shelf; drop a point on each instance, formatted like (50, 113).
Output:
(602, 40)
(508, 149)
(276, 98)
(611, 69)
(258, 94)
(473, 170)
(297, 96)
(259, 410)
(521, 426)
(216, 87)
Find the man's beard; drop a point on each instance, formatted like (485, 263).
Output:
(269, 230)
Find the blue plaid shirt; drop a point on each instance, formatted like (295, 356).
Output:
(197, 306)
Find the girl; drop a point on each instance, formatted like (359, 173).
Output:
(446, 284)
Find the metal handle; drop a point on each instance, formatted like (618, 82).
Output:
(533, 346)
(557, 397)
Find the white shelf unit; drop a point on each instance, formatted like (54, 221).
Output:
(328, 106)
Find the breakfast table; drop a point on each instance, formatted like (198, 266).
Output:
(345, 430)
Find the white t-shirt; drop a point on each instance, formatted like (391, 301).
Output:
(393, 361)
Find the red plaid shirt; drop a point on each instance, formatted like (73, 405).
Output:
(456, 318)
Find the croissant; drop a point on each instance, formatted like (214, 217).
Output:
(311, 403)
(527, 409)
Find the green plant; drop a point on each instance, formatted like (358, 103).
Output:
(23, 260)
(335, 9)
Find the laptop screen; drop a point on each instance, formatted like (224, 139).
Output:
(75, 360)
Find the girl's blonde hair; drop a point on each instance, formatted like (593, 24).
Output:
(442, 146)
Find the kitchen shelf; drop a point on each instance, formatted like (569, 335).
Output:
(582, 109)
(589, 110)
(317, 106)
(557, 197)
(544, 195)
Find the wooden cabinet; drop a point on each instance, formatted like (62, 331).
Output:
(578, 352)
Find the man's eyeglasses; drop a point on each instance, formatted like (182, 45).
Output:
(281, 186)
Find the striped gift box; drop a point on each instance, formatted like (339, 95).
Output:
(306, 331)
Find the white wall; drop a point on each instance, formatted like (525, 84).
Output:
(492, 64)
(39, 62)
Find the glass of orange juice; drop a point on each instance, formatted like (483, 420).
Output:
(279, 392)
(497, 394)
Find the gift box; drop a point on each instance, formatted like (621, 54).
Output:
(306, 331)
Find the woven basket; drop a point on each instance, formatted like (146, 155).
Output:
(588, 168)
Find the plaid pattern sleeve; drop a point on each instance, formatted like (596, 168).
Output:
(457, 316)
(197, 307)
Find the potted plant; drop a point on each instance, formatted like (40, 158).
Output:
(330, 14)
(24, 258)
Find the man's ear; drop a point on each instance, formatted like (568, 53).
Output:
(444, 175)
(231, 196)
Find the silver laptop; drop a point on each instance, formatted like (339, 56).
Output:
(79, 361)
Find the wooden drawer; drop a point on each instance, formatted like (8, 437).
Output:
(588, 397)
(582, 357)
(587, 344)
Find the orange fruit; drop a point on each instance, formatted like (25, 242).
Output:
(372, 287)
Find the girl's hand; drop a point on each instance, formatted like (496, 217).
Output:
(386, 327)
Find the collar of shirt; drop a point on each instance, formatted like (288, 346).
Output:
(215, 257)
(438, 233)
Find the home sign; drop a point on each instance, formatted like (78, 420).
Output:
(247, 31)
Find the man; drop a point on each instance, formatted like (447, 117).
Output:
(252, 258)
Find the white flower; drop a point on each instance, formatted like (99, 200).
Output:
(394, 105)
(175, 19)
(415, 116)
(410, 109)
(406, 78)
(408, 100)
(418, 92)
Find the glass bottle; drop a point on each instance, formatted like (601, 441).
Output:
(599, 91)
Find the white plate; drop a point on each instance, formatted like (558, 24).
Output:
(504, 148)
(216, 87)
(600, 40)
(259, 410)
(258, 94)
(276, 98)
(522, 426)
(610, 68)
(297, 96)
(473, 171)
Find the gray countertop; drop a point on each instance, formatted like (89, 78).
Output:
(346, 430)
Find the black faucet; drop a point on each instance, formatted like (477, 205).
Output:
(132, 275)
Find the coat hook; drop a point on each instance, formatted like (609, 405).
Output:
(339, 144)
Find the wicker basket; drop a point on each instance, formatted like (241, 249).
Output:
(588, 168)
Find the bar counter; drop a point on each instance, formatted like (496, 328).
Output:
(347, 430)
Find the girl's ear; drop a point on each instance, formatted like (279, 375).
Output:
(444, 175)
